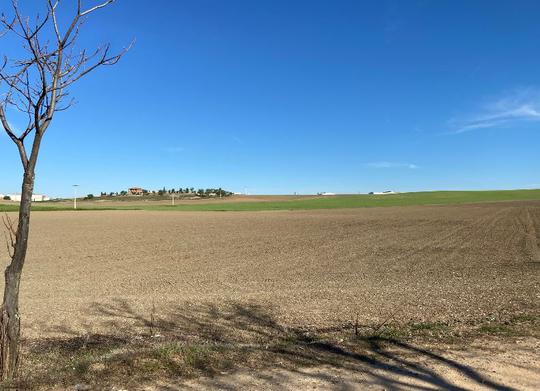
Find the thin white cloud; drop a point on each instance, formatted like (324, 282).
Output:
(517, 107)
(392, 165)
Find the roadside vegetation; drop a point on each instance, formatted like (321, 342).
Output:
(235, 337)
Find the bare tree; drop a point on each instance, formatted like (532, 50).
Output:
(36, 84)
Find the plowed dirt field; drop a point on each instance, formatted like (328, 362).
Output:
(103, 271)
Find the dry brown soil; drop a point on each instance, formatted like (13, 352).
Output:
(103, 271)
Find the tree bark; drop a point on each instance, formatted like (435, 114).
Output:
(10, 318)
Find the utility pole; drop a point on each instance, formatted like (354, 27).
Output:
(75, 196)
(172, 199)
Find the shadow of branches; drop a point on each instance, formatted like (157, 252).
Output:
(207, 340)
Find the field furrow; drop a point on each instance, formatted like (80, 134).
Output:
(310, 268)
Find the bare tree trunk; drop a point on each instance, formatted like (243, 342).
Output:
(37, 84)
(10, 318)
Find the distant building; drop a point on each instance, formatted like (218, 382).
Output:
(135, 191)
(328, 194)
(383, 192)
(35, 197)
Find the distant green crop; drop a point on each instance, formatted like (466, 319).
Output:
(329, 202)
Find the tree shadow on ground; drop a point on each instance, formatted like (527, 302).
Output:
(213, 343)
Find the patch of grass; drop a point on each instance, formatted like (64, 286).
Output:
(426, 326)
(166, 351)
(197, 356)
(519, 325)
(103, 362)
(109, 362)
(516, 325)
(393, 332)
(329, 202)
(495, 328)
(522, 318)
(81, 366)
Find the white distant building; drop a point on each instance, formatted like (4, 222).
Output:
(328, 194)
(35, 197)
(383, 192)
(40, 197)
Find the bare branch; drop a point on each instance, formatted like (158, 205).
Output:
(8, 26)
(38, 84)
(17, 140)
(11, 233)
(94, 8)
(52, 12)
(104, 60)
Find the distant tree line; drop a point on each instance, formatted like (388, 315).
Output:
(187, 191)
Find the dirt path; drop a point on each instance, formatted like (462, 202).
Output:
(486, 365)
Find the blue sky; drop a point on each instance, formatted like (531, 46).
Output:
(301, 96)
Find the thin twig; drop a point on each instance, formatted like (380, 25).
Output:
(11, 233)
